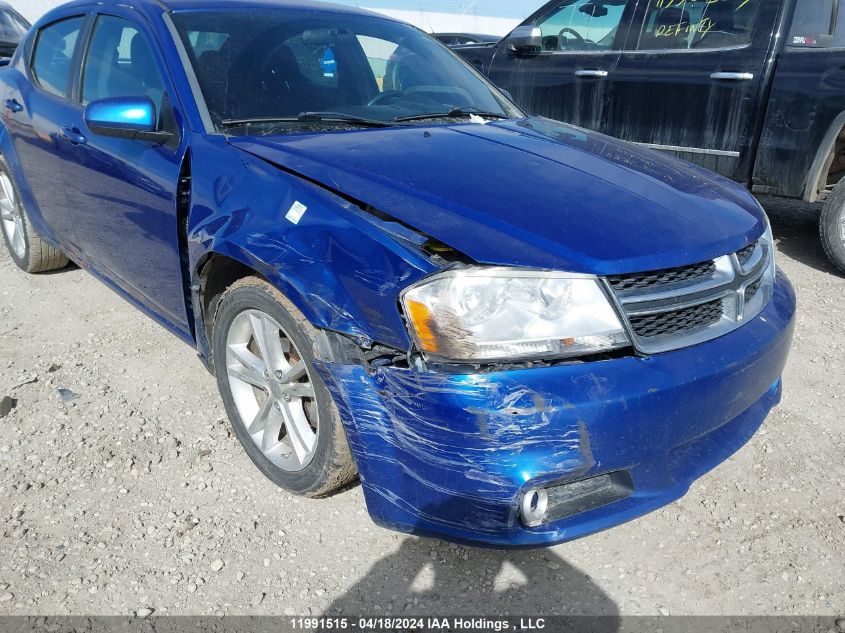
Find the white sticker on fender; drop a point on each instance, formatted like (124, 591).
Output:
(296, 211)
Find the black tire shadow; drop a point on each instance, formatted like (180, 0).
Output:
(427, 577)
(795, 225)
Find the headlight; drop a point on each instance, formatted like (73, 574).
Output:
(487, 314)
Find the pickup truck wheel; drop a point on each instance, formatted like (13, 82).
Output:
(279, 407)
(28, 251)
(832, 226)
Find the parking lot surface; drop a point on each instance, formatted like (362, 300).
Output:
(123, 491)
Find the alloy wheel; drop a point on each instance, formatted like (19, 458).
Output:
(272, 390)
(11, 217)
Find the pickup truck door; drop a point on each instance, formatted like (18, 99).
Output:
(126, 216)
(35, 107)
(567, 79)
(692, 79)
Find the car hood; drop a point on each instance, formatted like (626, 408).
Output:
(532, 192)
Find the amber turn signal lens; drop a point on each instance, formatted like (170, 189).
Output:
(423, 322)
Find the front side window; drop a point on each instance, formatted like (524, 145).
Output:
(817, 24)
(276, 67)
(119, 63)
(581, 25)
(51, 59)
(698, 24)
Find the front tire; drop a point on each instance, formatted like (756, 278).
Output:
(29, 252)
(832, 226)
(279, 407)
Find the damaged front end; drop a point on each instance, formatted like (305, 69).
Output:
(521, 427)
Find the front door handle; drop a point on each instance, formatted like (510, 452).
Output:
(13, 105)
(591, 72)
(732, 76)
(74, 135)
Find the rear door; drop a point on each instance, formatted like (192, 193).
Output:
(692, 79)
(126, 217)
(568, 79)
(36, 107)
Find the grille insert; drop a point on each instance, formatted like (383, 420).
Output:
(677, 321)
(744, 255)
(751, 291)
(665, 277)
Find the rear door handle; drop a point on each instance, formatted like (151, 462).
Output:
(13, 105)
(74, 135)
(591, 72)
(732, 76)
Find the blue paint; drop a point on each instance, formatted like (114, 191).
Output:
(125, 113)
(439, 453)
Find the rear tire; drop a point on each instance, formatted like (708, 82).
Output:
(29, 252)
(832, 226)
(279, 407)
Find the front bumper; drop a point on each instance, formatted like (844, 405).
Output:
(451, 455)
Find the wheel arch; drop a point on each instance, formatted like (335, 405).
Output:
(217, 270)
(824, 168)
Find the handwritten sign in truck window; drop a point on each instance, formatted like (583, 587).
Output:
(698, 23)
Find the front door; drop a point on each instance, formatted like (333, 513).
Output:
(126, 216)
(690, 80)
(567, 79)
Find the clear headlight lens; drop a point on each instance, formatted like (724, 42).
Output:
(487, 314)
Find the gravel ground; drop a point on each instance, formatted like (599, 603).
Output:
(123, 490)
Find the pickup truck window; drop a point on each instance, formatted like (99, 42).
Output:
(581, 25)
(698, 24)
(817, 24)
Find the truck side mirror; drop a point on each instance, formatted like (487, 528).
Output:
(526, 40)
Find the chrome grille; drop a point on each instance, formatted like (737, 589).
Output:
(674, 307)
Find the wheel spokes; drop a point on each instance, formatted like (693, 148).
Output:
(247, 367)
(6, 212)
(273, 428)
(259, 422)
(268, 338)
(299, 390)
(301, 435)
(270, 385)
(17, 241)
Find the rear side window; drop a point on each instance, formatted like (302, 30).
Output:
(698, 24)
(51, 60)
(581, 25)
(817, 24)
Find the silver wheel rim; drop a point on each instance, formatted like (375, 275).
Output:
(11, 217)
(272, 390)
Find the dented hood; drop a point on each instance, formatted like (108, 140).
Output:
(532, 193)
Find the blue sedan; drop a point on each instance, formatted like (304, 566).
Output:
(514, 331)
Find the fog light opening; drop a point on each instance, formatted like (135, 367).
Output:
(535, 502)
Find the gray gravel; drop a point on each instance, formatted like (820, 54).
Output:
(124, 492)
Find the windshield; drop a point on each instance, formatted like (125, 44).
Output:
(12, 26)
(272, 66)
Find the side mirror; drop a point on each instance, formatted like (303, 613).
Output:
(526, 40)
(125, 117)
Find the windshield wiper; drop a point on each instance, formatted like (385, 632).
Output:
(454, 113)
(310, 117)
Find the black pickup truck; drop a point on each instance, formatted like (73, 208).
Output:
(753, 89)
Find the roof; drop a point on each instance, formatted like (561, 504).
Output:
(179, 5)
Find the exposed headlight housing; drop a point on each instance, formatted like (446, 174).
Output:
(480, 314)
